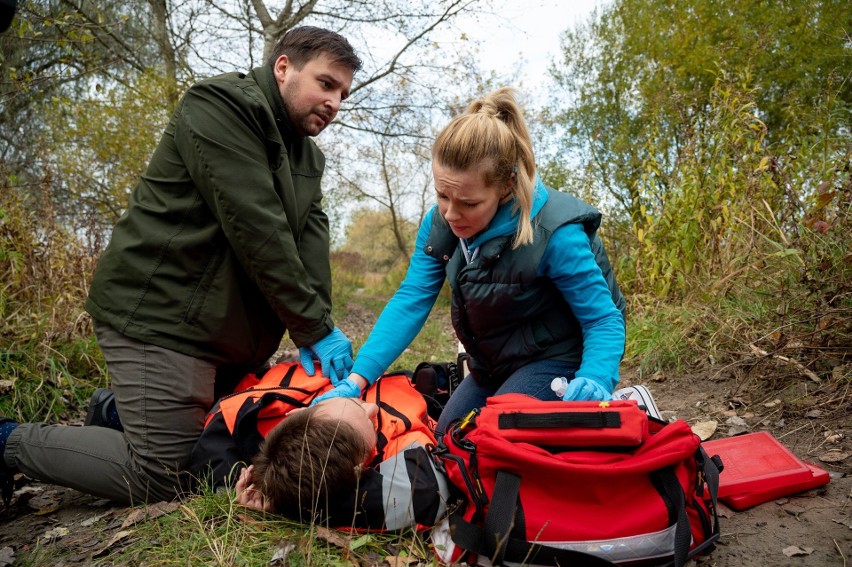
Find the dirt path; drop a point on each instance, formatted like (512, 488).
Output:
(812, 529)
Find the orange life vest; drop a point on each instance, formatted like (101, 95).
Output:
(239, 422)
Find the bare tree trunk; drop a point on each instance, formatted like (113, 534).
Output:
(274, 28)
(167, 50)
(393, 205)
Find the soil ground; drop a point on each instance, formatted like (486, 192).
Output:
(809, 529)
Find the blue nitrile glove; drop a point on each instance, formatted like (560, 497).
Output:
(334, 351)
(585, 389)
(344, 389)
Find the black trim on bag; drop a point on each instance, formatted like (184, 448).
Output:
(469, 475)
(588, 420)
(659, 482)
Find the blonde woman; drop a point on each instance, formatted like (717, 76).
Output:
(533, 294)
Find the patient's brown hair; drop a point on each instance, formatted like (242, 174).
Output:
(307, 462)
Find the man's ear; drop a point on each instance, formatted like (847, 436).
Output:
(280, 67)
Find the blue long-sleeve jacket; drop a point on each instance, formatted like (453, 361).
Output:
(568, 261)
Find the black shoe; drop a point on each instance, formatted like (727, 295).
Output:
(101, 407)
(7, 475)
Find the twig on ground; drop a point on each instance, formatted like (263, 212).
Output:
(798, 365)
(793, 431)
(840, 551)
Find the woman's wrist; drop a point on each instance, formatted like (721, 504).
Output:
(359, 380)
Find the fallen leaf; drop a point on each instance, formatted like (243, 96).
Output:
(113, 540)
(794, 551)
(45, 502)
(847, 523)
(773, 403)
(281, 554)
(56, 533)
(705, 429)
(736, 425)
(813, 414)
(7, 556)
(6, 386)
(834, 438)
(400, 560)
(92, 520)
(118, 537)
(149, 512)
(331, 537)
(833, 457)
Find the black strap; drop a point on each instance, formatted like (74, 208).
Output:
(683, 531)
(710, 468)
(589, 420)
(285, 381)
(500, 518)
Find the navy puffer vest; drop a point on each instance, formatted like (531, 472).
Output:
(503, 313)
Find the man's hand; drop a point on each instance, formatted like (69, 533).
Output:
(585, 389)
(247, 495)
(334, 351)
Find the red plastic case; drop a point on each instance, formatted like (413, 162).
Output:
(758, 468)
(749, 499)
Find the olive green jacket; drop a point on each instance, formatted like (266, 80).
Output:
(224, 244)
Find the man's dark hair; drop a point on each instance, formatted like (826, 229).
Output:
(304, 43)
(308, 463)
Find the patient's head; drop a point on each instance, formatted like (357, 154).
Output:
(315, 455)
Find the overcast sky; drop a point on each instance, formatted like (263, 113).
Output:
(527, 30)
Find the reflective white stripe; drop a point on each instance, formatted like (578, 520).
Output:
(397, 491)
(645, 546)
